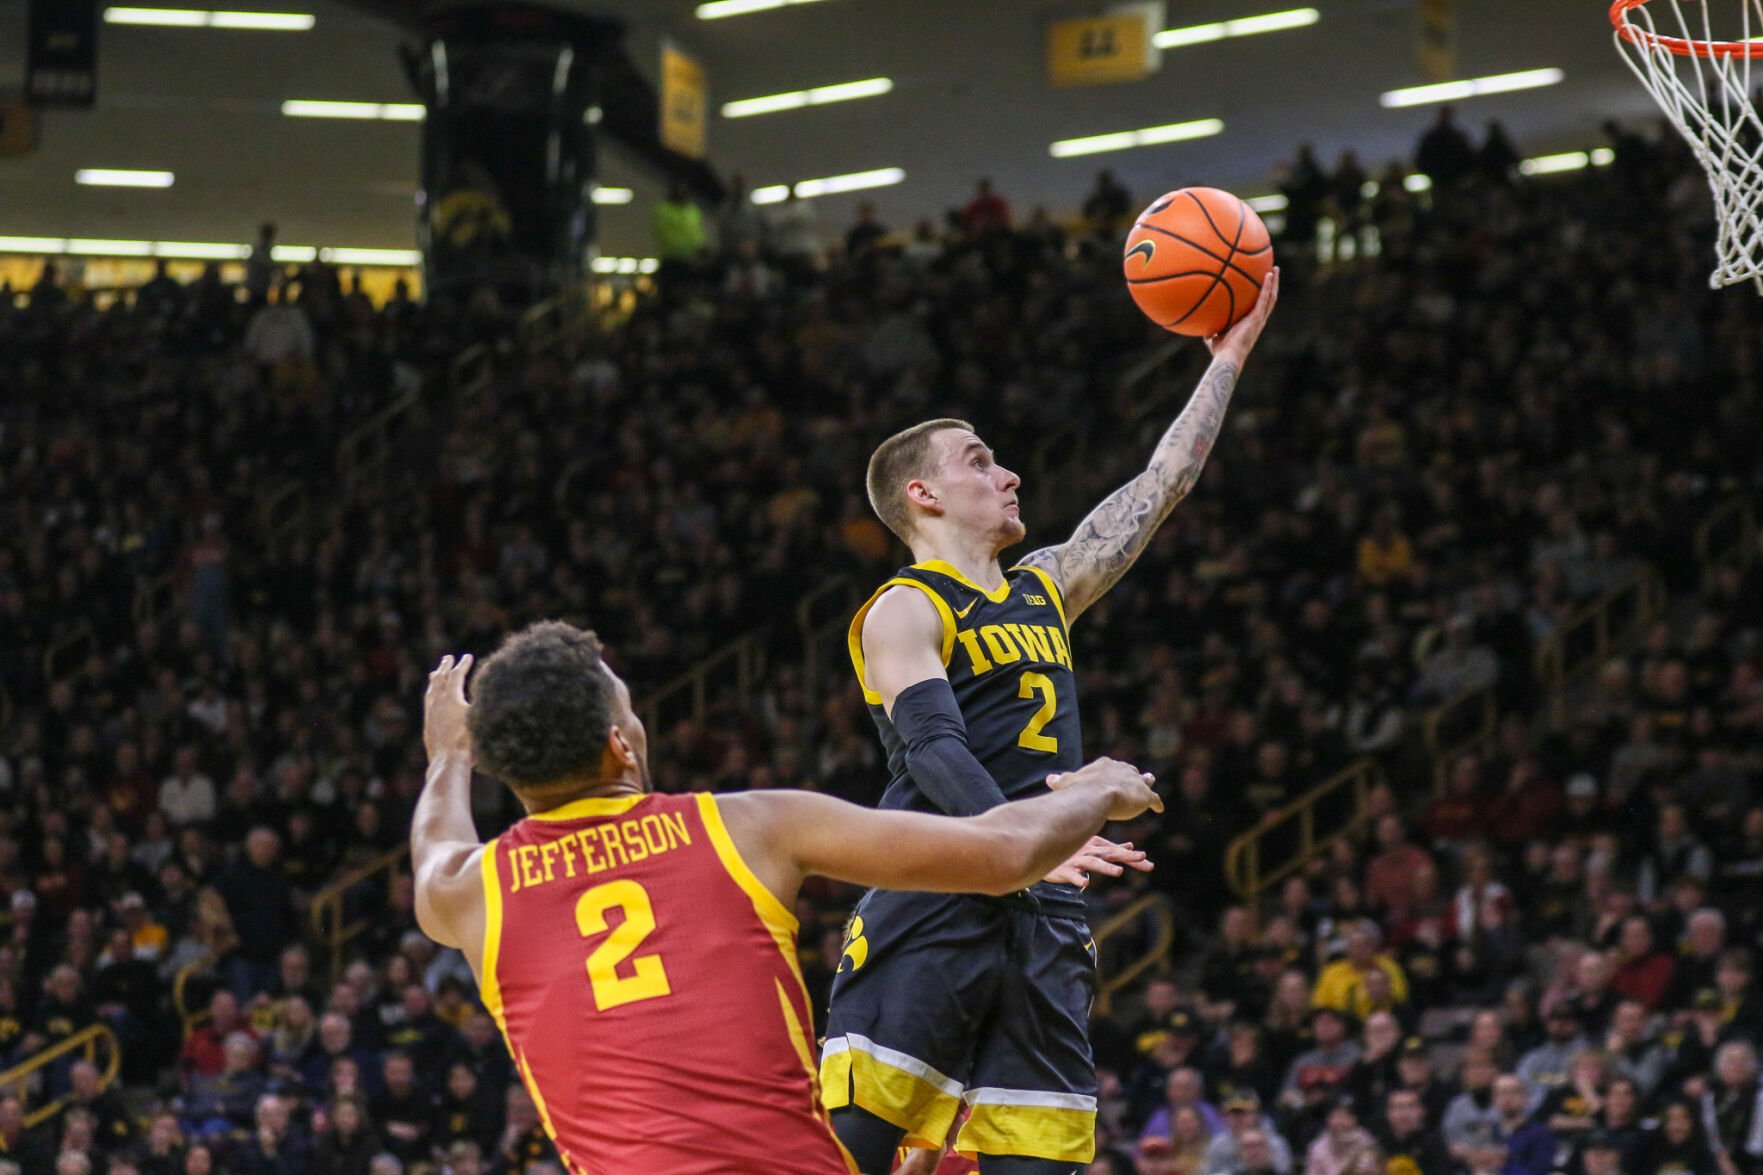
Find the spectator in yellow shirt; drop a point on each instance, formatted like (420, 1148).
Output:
(1342, 983)
(1385, 553)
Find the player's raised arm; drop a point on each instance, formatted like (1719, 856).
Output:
(788, 835)
(1110, 539)
(903, 662)
(444, 846)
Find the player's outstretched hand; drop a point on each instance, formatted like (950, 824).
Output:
(1100, 855)
(1130, 790)
(444, 709)
(1236, 343)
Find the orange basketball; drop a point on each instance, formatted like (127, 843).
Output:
(1195, 260)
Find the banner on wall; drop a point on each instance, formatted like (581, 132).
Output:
(685, 102)
(1438, 40)
(61, 53)
(1104, 50)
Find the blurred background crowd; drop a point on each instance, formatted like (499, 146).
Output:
(1481, 408)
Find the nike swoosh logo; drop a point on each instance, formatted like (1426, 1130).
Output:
(1147, 248)
(962, 615)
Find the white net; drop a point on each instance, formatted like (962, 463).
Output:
(1698, 67)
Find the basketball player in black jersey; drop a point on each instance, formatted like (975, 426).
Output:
(944, 1000)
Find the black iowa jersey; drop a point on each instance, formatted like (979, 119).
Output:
(1009, 658)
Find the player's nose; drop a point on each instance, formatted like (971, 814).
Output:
(1010, 480)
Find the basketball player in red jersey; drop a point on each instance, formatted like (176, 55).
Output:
(638, 950)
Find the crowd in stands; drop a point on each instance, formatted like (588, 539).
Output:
(1506, 403)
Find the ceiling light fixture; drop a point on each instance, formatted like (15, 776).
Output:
(624, 265)
(832, 185)
(110, 177)
(196, 18)
(1274, 203)
(613, 195)
(1175, 132)
(717, 9)
(1568, 161)
(368, 111)
(203, 251)
(1501, 83)
(795, 99)
(1246, 26)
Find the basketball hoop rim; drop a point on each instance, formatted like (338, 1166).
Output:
(1678, 45)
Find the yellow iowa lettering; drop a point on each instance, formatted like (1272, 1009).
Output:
(1032, 637)
(976, 658)
(1060, 652)
(1000, 643)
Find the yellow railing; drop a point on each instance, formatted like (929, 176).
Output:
(67, 650)
(1156, 952)
(1466, 724)
(1596, 631)
(154, 597)
(327, 909)
(367, 448)
(283, 513)
(823, 615)
(1299, 821)
(180, 1000)
(1728, 535)
(86, 1041)
(732, 671)
(471, 373)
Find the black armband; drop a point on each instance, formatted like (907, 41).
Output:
(937, 755)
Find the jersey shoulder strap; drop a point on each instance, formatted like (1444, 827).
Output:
(854, 637)
(1053, 592)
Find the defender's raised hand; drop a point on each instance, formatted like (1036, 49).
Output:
(1129, 789)
(444, 709)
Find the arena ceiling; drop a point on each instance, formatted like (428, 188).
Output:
(969, 98)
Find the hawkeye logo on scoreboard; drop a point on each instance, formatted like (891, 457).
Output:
(1104, 50)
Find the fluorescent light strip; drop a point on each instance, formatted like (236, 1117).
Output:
(613, 195)
(203, 251)
(107, 177)
(382, 111)
(1569, 161)
(624, 265)
(110, 248)
(1247, 26)
(195, 18)
(33, 245)
(1274, 203)
(832, 185)
(1502, 83)
(1175, 132)
(200, 251)
(399, 257)
(717, 9)
(818, 96)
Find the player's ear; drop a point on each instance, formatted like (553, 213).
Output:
(919, 492)
(620, 749)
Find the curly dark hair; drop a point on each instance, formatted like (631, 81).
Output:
(541, 708)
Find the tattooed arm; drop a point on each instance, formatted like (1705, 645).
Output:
(1114, 534)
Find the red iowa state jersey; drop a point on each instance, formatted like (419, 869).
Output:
(646, 982)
